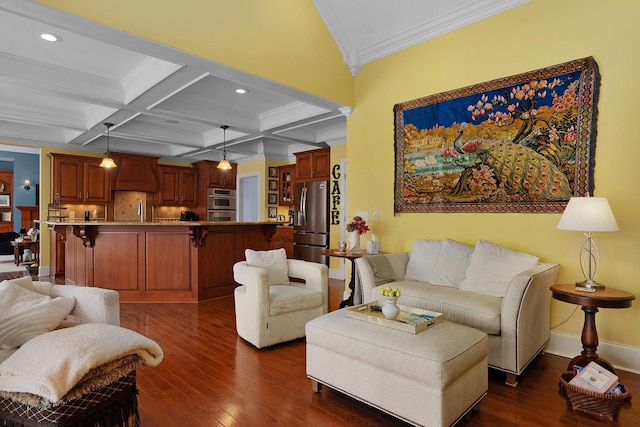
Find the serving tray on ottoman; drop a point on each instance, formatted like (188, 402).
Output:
(430, 379)
(410, 319)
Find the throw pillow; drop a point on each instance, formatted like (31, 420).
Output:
(492, 267)
(274, 261)
(25, 314)
(452, 264)
(422, 260)
(24, 282)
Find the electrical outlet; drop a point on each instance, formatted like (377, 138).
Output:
(375, 215)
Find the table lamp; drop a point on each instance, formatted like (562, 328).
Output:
(589, 215)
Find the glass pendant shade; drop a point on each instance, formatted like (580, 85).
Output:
(224, 165)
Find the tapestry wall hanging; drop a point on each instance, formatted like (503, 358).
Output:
(524, 143)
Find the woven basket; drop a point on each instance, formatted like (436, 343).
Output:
(605, 406)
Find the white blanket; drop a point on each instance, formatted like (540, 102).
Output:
(50, 364)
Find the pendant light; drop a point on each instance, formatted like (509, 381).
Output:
(107, 161)
(224, 164)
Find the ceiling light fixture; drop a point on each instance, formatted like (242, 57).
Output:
(107, 161)
(242, 91)
(50, 37)
(224, 164)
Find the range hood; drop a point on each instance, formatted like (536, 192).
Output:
(135, 173)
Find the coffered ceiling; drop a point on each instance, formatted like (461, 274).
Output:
(171, 104)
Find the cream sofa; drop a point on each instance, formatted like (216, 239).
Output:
(501, 292)
(92, 305)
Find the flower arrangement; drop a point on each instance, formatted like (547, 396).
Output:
(388, 292)
(358, 224)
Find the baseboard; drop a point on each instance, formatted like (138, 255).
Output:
(622, 357)
(335, 273)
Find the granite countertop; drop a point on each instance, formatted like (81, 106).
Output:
(155, 223)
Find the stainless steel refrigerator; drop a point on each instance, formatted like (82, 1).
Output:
(311, 221)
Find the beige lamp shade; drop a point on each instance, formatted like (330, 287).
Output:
(591, 214)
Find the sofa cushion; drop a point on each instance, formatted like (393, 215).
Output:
(25, 314)
(451, 267)
(274, 261)
(422, 260)
(482, 312)
(492, 267)
(287, 298)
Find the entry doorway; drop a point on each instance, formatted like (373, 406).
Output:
(248, 197)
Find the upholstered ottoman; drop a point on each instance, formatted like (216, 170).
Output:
(431, 378)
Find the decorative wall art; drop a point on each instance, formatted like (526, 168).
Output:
(524, 143)
(5, 200)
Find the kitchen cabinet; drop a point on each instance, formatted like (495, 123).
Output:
(283, 238)
(286, 175)
(314, 165)
(178, 186)
(80, 179)
(56, 254)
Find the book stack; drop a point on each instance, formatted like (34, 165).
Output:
(595, 378)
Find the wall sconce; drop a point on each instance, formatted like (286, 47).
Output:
(27, 184)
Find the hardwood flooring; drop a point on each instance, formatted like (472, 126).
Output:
(211, 377)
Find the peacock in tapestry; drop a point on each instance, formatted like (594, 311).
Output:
(516, 168)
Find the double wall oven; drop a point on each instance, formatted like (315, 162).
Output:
(221, 204)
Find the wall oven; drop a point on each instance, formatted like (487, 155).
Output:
(219, 215)
(221, 198)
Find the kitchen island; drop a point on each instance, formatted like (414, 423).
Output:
(185, 261)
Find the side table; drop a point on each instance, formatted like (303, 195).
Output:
(351, 257)
(590, 302)
(19, 247)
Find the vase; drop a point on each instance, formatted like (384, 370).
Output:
(353, 244)
(390, 308)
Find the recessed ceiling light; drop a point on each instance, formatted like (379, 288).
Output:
(172, 121)
(50, 37)
(242, 91)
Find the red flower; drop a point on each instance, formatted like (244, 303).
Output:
(358, 224)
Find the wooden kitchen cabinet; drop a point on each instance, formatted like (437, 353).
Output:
(219, 178)
(178, 186)
(286, 175)
(80, 179)
(283, 238)
(314, 165)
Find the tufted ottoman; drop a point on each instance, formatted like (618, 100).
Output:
(431, 378)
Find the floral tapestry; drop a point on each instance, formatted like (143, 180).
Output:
(524, 143)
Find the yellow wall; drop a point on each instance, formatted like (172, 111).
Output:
(537, 34)
(285, 40)
(532, 36)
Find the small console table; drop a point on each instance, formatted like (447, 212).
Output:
(590, 302)
(351, 257)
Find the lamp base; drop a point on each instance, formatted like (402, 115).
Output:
(588, 286)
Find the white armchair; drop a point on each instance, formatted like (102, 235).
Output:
(271, 310)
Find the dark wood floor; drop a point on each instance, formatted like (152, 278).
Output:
(210, 376)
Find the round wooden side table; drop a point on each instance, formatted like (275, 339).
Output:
(590, 302)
